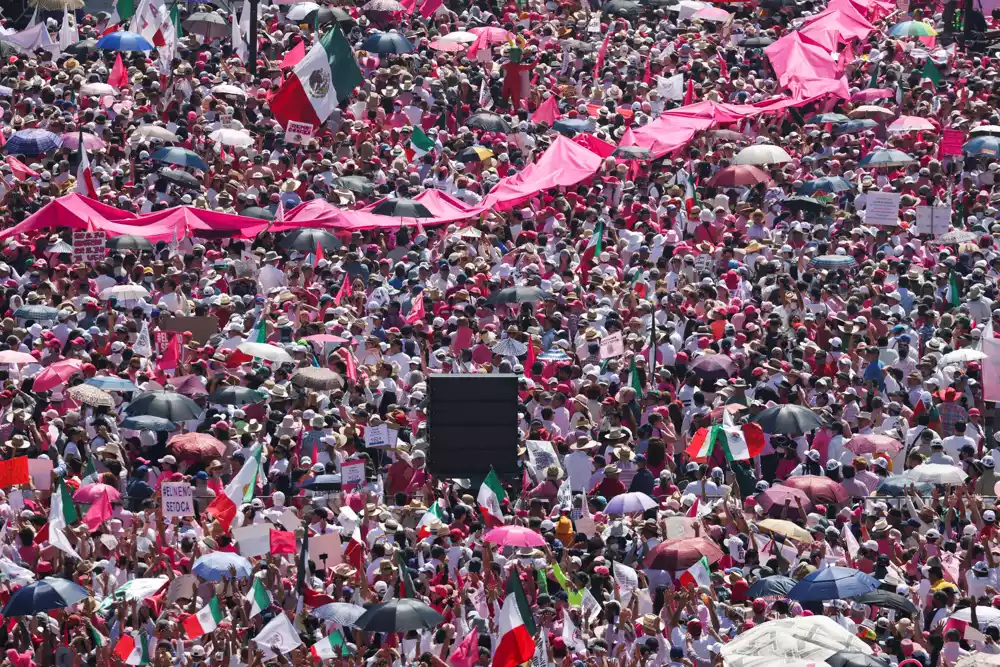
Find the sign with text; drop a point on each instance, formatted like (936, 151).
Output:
(933, 220)
(14, 472)
(89, 246)
(352, 475)
(161, 339)
(882, 209)
(377, 436)
(299, 133)
(178, 499)
(612, 345)
(952, 142)
(202, 327)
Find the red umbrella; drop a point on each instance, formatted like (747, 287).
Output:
(198, 445)
(682, 553)
(514, 536)
(873, 444)
(57, 374)
(819, 489)
(740, 174)
(773, 502)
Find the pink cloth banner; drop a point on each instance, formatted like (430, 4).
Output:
(795, 56)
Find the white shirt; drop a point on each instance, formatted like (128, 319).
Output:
(271, 277)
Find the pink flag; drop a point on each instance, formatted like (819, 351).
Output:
(646, 75)
(293, 57)
(480, 42)
(723, 66)
(689, 94)
(119, 75)
(547, 112)
(467, 651)
(352, 366)
(417, 311)
(846, 57)
(601, 52)
(98, 513)
(344, 291)
(409, 5)
(20, 170)
(428, 7)
(529, 359)
(171, 356)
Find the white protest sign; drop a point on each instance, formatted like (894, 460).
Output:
(299, 133)
(541, 657)
(670, 87)
(226, 121)
(625, 576)
(41, 473)
(591, 607)
(289, 520)
(88, 246)
(541, 455)
(612, 345)
(253, 540)
(377, 436)
(933, 220)
(352, 474)
(882, 209)
(178, 499)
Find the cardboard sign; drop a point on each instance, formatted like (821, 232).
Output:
(14, 472)
(882, 209)
(377, 436)
(324, 550)
(612, 345)
(202, 328)
(253, 540)
(352, 475)
(933, 220)
(299, 133)
(178, 499)
(89, 246)
(40, 471)
(952, 142)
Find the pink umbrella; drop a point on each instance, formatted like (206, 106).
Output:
(873, 444)
(872, 94)
(189, 385)
(911, 124)
(715, 14)
(492, 34)
(91, 141)
(514, 536)
(448, 47)
(91, 493)
(57, 374)
(15, 357)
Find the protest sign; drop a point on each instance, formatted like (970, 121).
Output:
(625, 576)
(541, 455)
(40, 471)
(89, 246)
(299, 133)
(377, 436)
(882, 209)
(14, 472)
(161, 339)
(202, 327)
(253, 540)
(352, 475)
(933, 220)
(952, 142)
(178, 499)
(612, 345)
(324, 550)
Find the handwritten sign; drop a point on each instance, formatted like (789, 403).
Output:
(89, 246)
(933, 220)
(612, 345)
(14, 472)
(352, 475)
(952, 142)
(299, 133)
(882, 209)
(377, 436)
(625, 576)
(162, 340)
(178, 499)
(541, 455)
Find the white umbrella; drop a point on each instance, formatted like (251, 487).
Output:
(459, 37)
(16, 357)
(762, 154)
(229, 89)
(14, 573)
(266, 352)
(963, 356)
(233, 138)
(154, 132)
(299, 11)
(125, 293)
(937, 473)
(97, 89)
(808, 638)
(993, 130)
(629, 503)
(984, 615)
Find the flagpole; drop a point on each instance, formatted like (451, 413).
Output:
(252, 65)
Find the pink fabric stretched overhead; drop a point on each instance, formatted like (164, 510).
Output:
(154, 231)
(819, 87)
(595, 145)
(873, 10)
(444, 207)
(563, 164)
(189, 220)
(834, 27)
(795, 56)
(73, 211)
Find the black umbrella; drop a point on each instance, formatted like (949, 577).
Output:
(631, 152)
(82, 48)
(776, 586)
(400, 615)
(855, 659)
(357, 184)
(258, 212)
(802, 203)
(887, 600)
(622, 8)
(586, 47)
(322, 483)
(757, 42)
(180, 178)
(788, 419)
(129, 242)
(574, 125)
(517, 295)
(490, 122)
(712, 367)
(231, 395)
(167, 404)
(306, 240)
(44, 595)
(207, 24)
(327, 15)
(401, 207)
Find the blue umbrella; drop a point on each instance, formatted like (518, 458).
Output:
(886, 158)
(41, 313)
(833, 583)
(32, 142)
(855, 126)
(776, 586)
(822, 118)
(216, 565)
(573, 125)
(832, 262)
(555, 354)
(828, 184)
(182, 157)
(148, 423)
(106, 383)
(387, 42)
(987, 145)
(896, 485)
(124, 41)
(44, 595)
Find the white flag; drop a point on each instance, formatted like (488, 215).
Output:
(541, 657)
(238, 44)
(68, 34)
(571, 634)
(670, 88)
(143, 347)
(278, 636)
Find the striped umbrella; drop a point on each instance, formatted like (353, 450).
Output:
(32, 142)
(554, 354)
(832, 262)
(913, 29)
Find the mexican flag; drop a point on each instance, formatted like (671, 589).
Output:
(953, 293)
(490, 496)
(96, 637)
(690, 195)
(931, 72)
(324, 78)
(633, 378)
(133, 652)
(238, 491)
(697, 574)
(516, 645)
(205, 620)
(740, 443)
(432, 515)
(420, 143)
(123, 11)
(330, 648)
(62, 513)
(84, 177)
(258, 598)
(593, 249)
